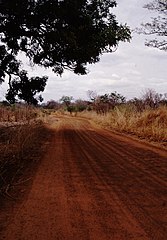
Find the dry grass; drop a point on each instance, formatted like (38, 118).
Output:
(17, 114)
(21, 144)
(150, 124)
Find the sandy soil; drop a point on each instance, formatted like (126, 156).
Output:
(94, 184)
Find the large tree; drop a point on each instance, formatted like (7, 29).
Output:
(158, 26)
(61, 34)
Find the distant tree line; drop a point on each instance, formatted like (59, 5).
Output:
(102, 104)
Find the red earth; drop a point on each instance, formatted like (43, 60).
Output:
(93, 184)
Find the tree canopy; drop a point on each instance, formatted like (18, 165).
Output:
(61, 34)
(158, 26)
(25, 88)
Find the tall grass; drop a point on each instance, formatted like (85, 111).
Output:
(150, 123)
(17, 114)
(20, 143)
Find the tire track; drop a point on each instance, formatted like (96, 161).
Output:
(94, 185)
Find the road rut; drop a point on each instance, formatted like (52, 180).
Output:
(94, 185)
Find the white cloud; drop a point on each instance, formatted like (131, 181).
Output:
(116, 76)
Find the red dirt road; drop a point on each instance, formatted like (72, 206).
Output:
(94, 185)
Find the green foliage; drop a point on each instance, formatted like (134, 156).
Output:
(81, 108)
(71, 108)
(25, 88)
(66, 34)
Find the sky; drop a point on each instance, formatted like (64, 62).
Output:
(130, 71)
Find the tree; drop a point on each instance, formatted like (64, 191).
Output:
(8, 64)
(81, 105)
(103, 103)
(52, 104)
(66, 34)
(66, 100)
(116, 98)
(158, 26)
(25, 88)
(92, 95)
(152, 99)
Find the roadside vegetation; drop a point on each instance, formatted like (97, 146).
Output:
(22, 134)
(29, 27)
(150, 124)
(145, 117)
(23, 128)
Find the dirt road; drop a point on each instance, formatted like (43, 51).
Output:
(94, 184)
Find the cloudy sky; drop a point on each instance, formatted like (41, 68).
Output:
(130, 70)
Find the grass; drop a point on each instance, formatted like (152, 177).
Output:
(24, 138)
(21, 145)
(150, 124)
(22, 134)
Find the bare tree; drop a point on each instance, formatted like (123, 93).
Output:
(158, 26)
